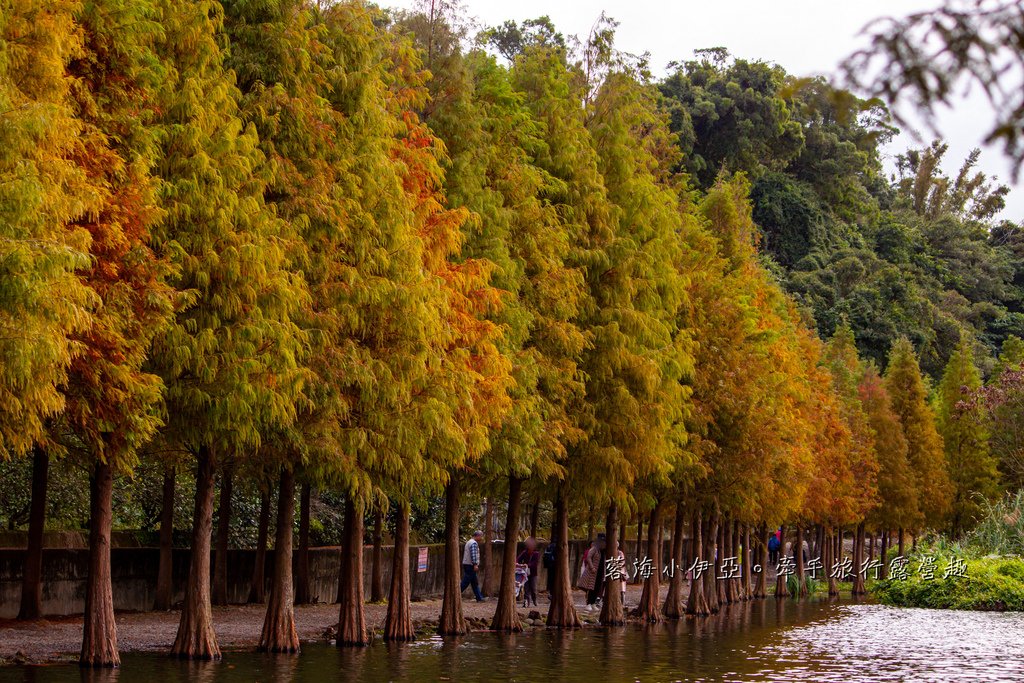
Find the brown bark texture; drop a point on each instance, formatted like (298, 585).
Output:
(195, 638)
(696, 602)
(279, 634)
(562, 612)
(612, 610)
(351, 618)
(452, 622)
(99, 630)
(398, 622)
(506, 618)
(673, 608)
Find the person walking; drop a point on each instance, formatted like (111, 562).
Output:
(471, 565)
(592, 572)
(531, 558)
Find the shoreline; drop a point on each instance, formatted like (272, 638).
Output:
(58, 639)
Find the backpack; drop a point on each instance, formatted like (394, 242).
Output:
(773, 543)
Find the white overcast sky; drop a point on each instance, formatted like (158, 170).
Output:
(804, 36)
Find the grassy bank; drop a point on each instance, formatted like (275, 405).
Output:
(989, 583)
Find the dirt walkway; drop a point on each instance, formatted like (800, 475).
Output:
(237, 626)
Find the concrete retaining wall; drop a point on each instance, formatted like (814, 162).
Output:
(134, 573)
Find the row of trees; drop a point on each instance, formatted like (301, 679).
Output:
(301, 242)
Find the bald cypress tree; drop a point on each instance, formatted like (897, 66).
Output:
(111, 398)
(925, 453)
(964, 427)
(897, 505)
(640, 360)
(568, 156)
(41, 191)
(228, 359)
(489, 134)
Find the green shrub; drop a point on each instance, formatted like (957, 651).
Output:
(991, 583)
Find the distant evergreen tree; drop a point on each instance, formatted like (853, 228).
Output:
(964, 427)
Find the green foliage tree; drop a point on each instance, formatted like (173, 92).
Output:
(925, 454)
(228, 359)
(964, 427)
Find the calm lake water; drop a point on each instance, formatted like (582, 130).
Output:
(758, 641)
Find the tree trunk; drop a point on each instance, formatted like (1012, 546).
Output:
(562, 612)
(781, 589)
(828, 561)
(737, 552)
(858, 559)
(696, 602)
(649, 609)
(711, 552)
(32, 575)
(639, 541)
(257, 588)
(731, 548)
(302, 593)
(351, 620)
(398, 623)
(761, 588)
(884, 554)
(673, 608)
(452, 622)
(746, 589)
(612, 610)
(871, 547)
(901, 541)
(721, 591)
(506, 618)
(220, 559)
(99, 630)
(196, 638)
(279, 633)
(164, 576)
(485, 576)
(535, 517)
(801, 572)
(377, 558)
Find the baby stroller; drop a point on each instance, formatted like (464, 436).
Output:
(522, 575)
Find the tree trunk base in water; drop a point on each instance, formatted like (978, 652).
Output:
(279, 633)
(351, 620)
(506, 618)
(196, 638)
(561, 612)
(696, 603)
(612, 611)
(398, 623)
(99, 630)
(452, 623)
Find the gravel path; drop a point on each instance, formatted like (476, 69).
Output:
(237, 627)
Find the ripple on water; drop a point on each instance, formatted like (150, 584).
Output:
(880, 643)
